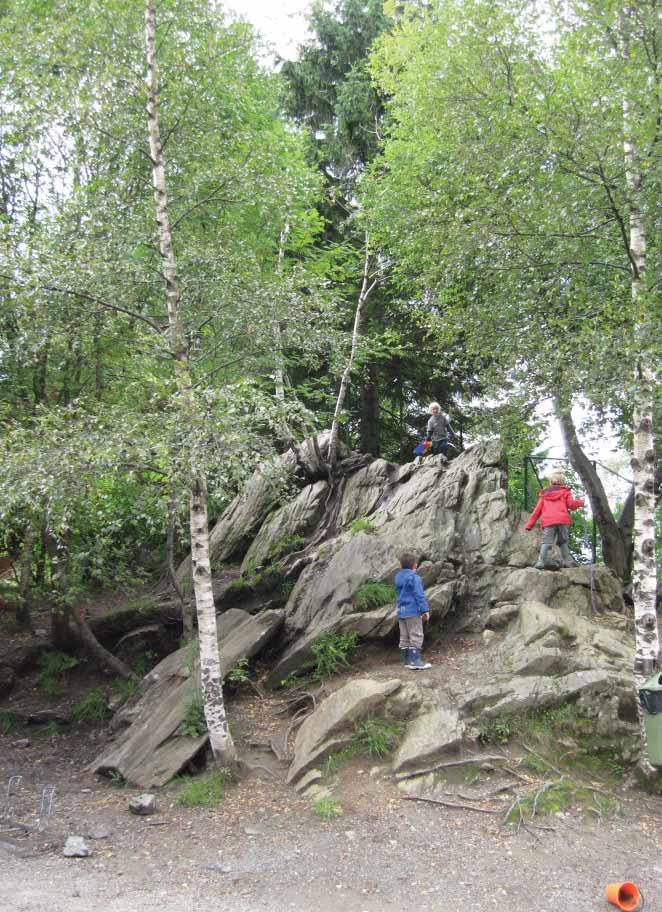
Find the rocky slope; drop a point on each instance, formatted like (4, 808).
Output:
(305, 567)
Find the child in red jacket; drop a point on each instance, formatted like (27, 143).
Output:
(553, 508)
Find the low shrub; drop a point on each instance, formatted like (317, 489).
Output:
(194, 723)
(377, 737)
(332, 652)
(362, 524)
(372, 595)
(92, 708)
(54, 666)
(328, 808)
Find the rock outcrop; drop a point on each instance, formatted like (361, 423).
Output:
(543, 642)
(475, 556)
(150, 748)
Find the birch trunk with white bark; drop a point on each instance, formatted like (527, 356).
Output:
(366, 290)
(210, 667)
(644, 571)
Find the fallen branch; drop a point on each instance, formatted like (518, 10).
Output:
(448, 804)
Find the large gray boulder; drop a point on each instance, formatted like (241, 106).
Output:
(232, 534)
(296, 518)
(150, 750)
(429, 736)
(331, 726)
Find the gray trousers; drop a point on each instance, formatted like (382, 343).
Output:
(411, 632)
(555, 535)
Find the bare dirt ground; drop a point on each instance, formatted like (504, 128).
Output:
(264, 849)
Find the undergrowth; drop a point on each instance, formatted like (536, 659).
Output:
(362, 524)
(564, 736)
(332, 652)
(372, 737)
(203, 791)
(92, 708)
(327, 808)
(194, 723)
(373, 595)
(54, 666)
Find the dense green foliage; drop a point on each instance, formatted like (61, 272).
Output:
(479, 144)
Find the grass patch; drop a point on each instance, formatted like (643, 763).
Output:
(143, 604)
(124, 687)
(564, 734)
(362, 524)
(92, 708)
(287, 545)
(203, 791)
(293, 680)
(377, 737)
(332, 652)
(372, 738)
(238, 588)
(7, 722)
(559, 796)
(372, 595)
(327, 808)
(54, 666)
(194, 723)
(334, 761)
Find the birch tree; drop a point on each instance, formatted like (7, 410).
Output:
(644, 574)
(211, 681)
(519, 185)
(368, 285)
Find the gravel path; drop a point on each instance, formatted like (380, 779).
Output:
(409, 857)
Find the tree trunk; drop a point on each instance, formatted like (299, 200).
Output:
(366, 290)
(369, 434)
(97, 651)
(210, 678)
(625, 523)
(614, 549)
(185, 604)
(23, 619)
(644, 570)
(211, 682)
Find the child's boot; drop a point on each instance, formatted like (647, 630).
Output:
(404, 656)
(416, 663)
(540, 563)
(568, 559)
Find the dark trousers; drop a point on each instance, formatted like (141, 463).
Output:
(440, 446)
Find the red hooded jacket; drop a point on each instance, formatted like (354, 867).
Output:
(553, 507)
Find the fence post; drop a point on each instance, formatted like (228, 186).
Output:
(526, 483)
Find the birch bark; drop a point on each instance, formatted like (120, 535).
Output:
(211, 682)
(644, 571)
(367, 288)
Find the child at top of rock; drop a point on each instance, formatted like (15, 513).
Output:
(412, 611)
(553, 508)
(438, 430)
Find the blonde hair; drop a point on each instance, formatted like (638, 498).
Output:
(433, 405)
(557, 478)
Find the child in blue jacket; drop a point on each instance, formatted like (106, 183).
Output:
(412, 611)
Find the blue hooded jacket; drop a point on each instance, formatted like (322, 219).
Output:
(411, 597)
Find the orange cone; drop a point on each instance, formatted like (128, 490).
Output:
(624, 895)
